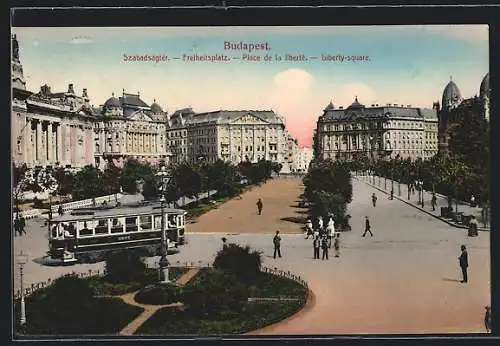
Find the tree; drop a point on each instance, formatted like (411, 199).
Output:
(124, 266)
(240, 261)
(276, 167)
(64, 180)
(20, 183)
(87, 183)
(151, 188)
(111, 179)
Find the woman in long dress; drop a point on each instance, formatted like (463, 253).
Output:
(330, 230)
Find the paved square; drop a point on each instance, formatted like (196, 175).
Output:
(404, 279)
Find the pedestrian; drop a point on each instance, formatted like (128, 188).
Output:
(22, 225)
(224, 242)
(324, 246)
(487, 318)
(392, 194)
(316, 245)
(464, 263)
(367, 227)
(277, 244)
(374, 199)
(330, 231)
(472, 227)
(320, 224)
(309, 228)
(433, 201)
(60, 210)
(472, 201)
(16, 225)
(336, 245)
(259, 206)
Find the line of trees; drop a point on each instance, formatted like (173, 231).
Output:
(185, 180)
(459, 173)
(328, 188)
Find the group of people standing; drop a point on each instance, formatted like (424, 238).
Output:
(323, 237)
(19, 225)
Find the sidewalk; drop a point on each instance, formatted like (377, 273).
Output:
(442, 201)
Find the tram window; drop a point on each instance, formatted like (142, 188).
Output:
(102, 227)
(145, 222)
(157, 222)
(54, 231)
(131, 224)
(117, 226)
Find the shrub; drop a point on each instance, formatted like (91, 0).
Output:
(160, 294)
(240, 261)
(125, 266)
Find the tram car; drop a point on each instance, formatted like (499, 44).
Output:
(86, 235)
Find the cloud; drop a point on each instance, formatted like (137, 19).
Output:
(80, 40)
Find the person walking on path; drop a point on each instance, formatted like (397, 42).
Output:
(324, 246)
(277, 244)
(320, 224)
(259, 206)
(374, 199)
(472, 201)
(309, 228)
(336, 245)
(316, 246)
(464, 263)
(367, 227)
(330, 231)
(433, 201)
(487, 318)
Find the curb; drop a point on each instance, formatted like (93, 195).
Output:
(423, 210)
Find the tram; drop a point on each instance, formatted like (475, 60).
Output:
(86, 235)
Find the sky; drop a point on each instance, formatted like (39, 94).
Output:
(408, 65)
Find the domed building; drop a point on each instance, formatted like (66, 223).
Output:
(484, 95)
(451, 96)
(376, 132)
(129, 128)
(454, 108)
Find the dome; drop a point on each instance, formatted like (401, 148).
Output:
(484, 89)
(451, 96)
(329, 107)
(156, 108)
(356, 104)
(112, 102)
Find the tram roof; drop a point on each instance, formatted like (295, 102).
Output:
(117, 211)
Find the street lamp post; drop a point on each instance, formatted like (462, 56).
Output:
(163, 264)
(22, 259)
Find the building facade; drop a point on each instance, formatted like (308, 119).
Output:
(48, 129)
(301, 159)
(127, 127)
(64, 129)
(235, 136)
(376, 132)
(453, 108)
(177, 135)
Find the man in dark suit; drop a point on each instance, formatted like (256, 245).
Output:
(464, 263)
(367, 227)
(277, 244)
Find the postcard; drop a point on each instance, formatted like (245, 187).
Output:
(305, 180)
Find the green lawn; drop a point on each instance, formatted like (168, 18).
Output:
(101, 316)
(103, 287)
(254, 315)
(175, 321)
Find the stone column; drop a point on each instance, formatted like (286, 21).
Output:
(38, 146)
(59, 147)
(49, 143)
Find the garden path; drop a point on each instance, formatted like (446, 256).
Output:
(149, 310)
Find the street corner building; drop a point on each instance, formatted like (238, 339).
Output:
(395, 130)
